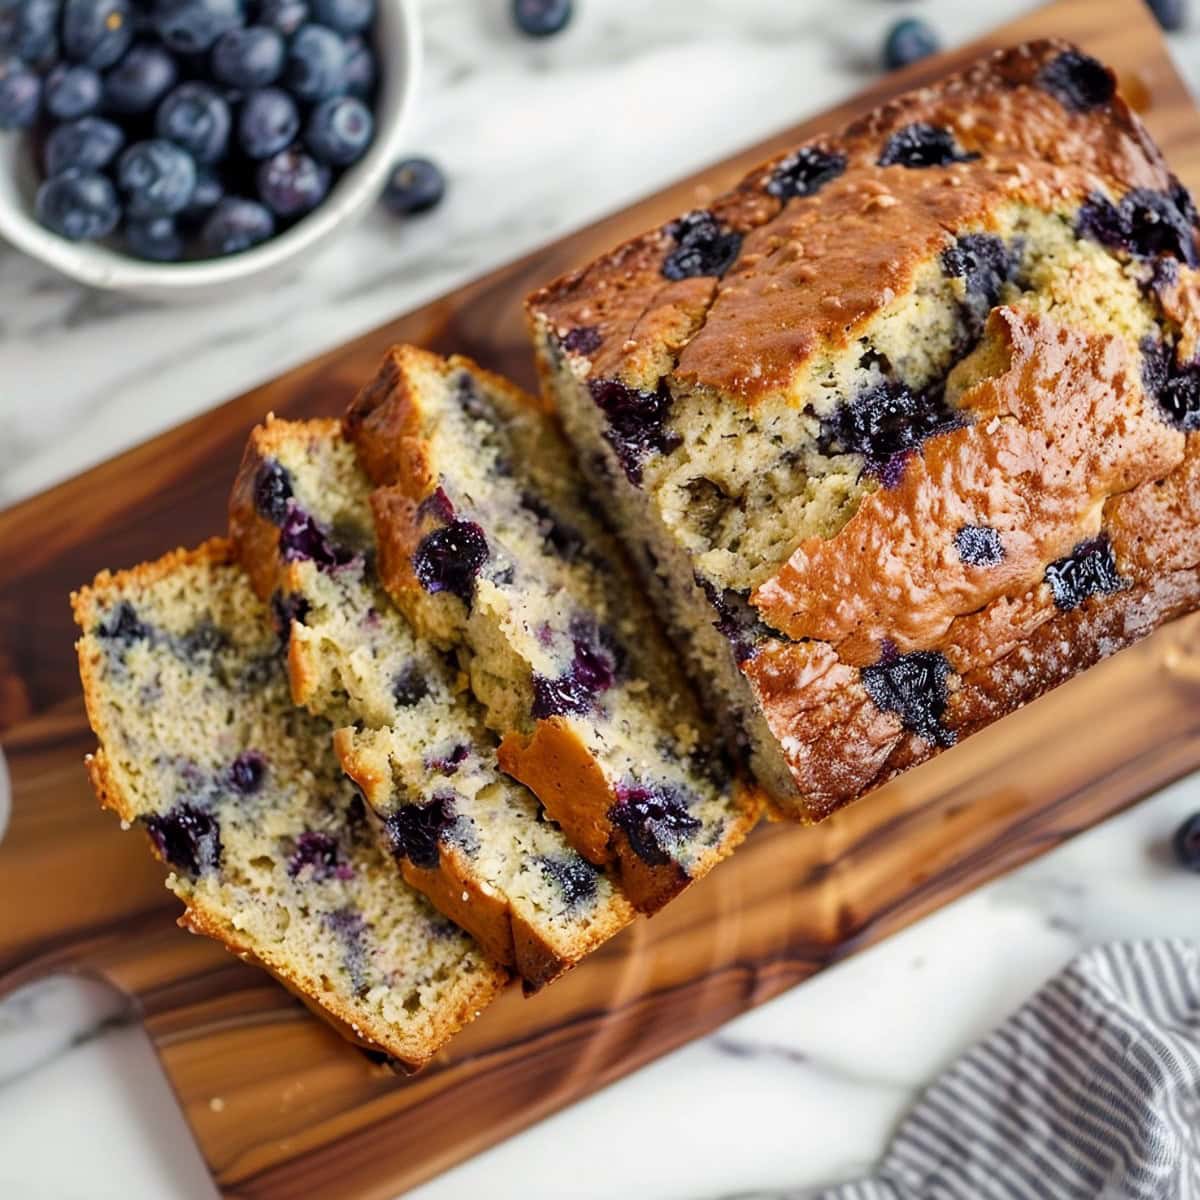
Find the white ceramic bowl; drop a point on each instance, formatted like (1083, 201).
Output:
(398, 48)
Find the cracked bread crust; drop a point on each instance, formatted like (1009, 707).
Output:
(492, 869)
(881, 448)
(127, 618)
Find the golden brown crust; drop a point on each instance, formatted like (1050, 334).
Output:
(813, 271)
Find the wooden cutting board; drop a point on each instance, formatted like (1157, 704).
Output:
(302, 1113)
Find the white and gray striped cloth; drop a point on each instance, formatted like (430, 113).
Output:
(1091, 1091)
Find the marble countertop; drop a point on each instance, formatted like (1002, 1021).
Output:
(806, 1089)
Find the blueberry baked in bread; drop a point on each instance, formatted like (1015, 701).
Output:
(472, 839)
(487, 544)
(902, 429)
(242, 796)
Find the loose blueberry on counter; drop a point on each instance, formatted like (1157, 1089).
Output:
(414, 830)
(87, 145)
(360, 68)
(320, 854)
(345, 16)
(123, 626)
(1089, 570)
(909, 41)
(34, 34)
(192, 26)
(156, 239)
(70, 91)
(1145, 223)
(1170, 14)
(574, 877)
(655, 819)
(268, 122)
(188, 838)
(248, 58)
(979, 546)
(157, 178)
(339, 130)
(409, 687)
(97, 32)
(273, 491)
(913, 686)
(247, 772)
(414, 185)
(1175, 388)
(805, 172)
(702, 246)
(316, 63)
(20, 93)
(923, 145)
(77, 204)
(449, 559)
(197, 118)
(1186, 843)
(292, 183)
(235, 225)
(541, 18)
(140, 80)
(1078, 81)
(636, 423)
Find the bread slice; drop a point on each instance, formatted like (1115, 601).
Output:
(472, 839)
(867, 421)
(488, 544)
(242, 796)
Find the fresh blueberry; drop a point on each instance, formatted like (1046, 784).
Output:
(1078, 81)
(637, 423)
(89, 144)
(188, 838)
(20, 94)
(155, 239)
(923, 145)
(339, 130)
(97, 32)
(1186, 843)
(1170, 14)
(449, 559)
(206, 195)
(292, 183)
(914, 687)
(196, 117)
(316, 63)
(414, 185)
(574, 877)
(247, 772)
(541, 18)
(285, 15)
(35, 35)
(979, 546)
(655, 819)
(346, 16)
(157, 178)
(78, 205)
(267, 123)
(909, 41)
(805, 172)
(702, 246)
(360, 68)
(71, 91)
(1089, 570)
(235, 225)
(140, 80)
(192, 26)
(414, 830)
(248, 58)
(321, 855)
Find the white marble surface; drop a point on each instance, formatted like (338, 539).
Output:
(805, 1089)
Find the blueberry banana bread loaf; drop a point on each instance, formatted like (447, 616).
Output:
(487, 544)
(242, 796)
(874, 423)
(472, 839)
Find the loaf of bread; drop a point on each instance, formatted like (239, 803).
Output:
(488, 543)
(902, 429)
(242, 796)
(472, 839)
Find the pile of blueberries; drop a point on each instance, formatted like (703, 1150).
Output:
(195, 127)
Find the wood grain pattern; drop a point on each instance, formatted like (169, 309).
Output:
(304, 1113)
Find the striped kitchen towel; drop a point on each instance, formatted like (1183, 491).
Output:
(1091, 1091)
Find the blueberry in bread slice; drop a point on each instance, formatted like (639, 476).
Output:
(242, 796)
(488, 543)
(474, 840)
(868, 422)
